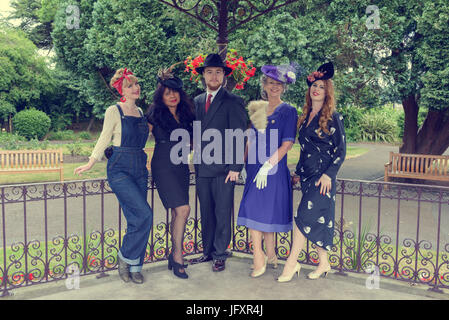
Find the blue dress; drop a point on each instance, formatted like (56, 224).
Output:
(269, 209)
(320, 153)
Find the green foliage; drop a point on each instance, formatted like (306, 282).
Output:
(27, 12)
(12, 141)
(352, 116)
(378, 125)
(433, 25)
(6, 109)
(60, 121)
(62, 135)
(31, 123)
(25, 76)
(75, 148)
(406, 56)
(85, 135)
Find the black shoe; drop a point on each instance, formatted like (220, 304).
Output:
(123, 269)
(200, 259)
(136, 277)
(172, 264)
(218, 265)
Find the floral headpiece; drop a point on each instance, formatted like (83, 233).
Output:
(166, 77)
(118, 83)
(324, 72)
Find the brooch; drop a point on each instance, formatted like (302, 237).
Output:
(272, 121)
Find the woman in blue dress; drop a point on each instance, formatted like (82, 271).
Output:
(323, 150)
(267, 203)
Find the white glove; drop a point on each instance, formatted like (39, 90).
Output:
(261, 176)
(243, 174)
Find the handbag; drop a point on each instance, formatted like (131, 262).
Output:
(108, 152)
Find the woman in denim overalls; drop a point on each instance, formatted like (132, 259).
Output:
(127, 172)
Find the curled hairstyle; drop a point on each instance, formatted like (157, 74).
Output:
(117, 76)
(263, 81)
(326, 111)
(159, 114)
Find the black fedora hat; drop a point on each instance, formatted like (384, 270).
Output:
(214, 60)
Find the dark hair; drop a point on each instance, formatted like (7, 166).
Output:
(159, 114)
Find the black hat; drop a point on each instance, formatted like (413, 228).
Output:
(214, 60)
(173, 83)
(324, 72)
(167, 79)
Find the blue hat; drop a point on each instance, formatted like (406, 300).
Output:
(285, 73)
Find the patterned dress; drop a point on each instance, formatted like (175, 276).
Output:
(319, 154)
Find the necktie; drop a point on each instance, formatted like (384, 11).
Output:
(209, 98)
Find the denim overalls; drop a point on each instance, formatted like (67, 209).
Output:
(128, 177)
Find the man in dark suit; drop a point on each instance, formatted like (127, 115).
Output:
(217, 161)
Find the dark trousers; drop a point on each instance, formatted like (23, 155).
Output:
(216, 202)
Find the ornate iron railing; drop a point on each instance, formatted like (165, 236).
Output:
(49, 230)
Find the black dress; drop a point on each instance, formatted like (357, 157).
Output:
(323, 153)
(170, 175)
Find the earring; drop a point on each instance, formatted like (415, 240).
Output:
(123, 99)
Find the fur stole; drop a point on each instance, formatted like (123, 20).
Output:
(257, 111)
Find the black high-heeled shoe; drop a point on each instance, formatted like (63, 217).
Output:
(172, 264)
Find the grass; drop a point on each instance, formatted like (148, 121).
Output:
(351, 152)
(98, 171)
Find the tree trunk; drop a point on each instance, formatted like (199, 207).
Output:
(91, 122)
(411, 109)
(433, 137)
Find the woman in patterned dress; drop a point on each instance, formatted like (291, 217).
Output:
(323, 150)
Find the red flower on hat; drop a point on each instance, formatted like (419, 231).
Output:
(242, 70)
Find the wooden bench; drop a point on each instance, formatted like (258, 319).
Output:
(417, 166)
(30, 161)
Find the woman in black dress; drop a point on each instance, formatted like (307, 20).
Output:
(172, 109)
(323, 150)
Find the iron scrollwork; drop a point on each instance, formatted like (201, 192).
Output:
(236, 13)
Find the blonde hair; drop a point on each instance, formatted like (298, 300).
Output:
(119, 73)
(326, 111)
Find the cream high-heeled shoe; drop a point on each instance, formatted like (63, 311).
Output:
(287, 278)
(261, 271)
(315, 275)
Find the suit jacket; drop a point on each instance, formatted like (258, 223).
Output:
(227, 111)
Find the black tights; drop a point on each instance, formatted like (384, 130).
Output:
(177, 226)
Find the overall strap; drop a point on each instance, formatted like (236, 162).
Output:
(120, 110)
(122, 117)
